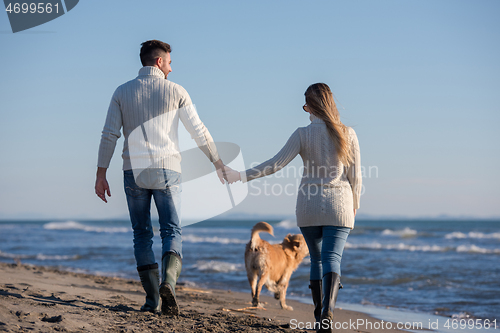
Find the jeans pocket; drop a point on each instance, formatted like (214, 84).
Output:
(135, 192)
(172, 182)
(171, 190)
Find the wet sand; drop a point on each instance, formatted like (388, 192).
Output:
(41, 299)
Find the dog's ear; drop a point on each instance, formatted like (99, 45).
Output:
(287, 243)
(294, 240)
(294, 246)
(291, 241)
(288, 239)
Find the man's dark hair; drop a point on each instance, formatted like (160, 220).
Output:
(153, 49)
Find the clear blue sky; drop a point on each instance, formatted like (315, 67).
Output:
(419, 81)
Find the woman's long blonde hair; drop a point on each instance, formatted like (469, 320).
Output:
(319, 99)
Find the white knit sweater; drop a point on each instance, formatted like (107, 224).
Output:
(157, 104)
(329, 191)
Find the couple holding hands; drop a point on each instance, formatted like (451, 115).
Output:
(152, 106)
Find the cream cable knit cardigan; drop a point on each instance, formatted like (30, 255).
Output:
(329, 190)
(151, 97)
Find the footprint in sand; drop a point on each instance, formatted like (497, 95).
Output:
(54, 319)
(8, 290)
(10, 286)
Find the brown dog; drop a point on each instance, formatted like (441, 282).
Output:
(272, 265)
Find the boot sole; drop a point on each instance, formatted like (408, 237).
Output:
(169, 304)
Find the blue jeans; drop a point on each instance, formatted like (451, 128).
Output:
(168, 204)
(326, 244)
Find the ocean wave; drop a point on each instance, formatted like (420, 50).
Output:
(421, 248)
(220, 240)
(39, 256)
(472, 234)
(96, 273)
(72, 225)
(399, 246)
(14, 256)
(461, 315)
(476, 249)
(403, 233)
(42, 256)
(287, 224)
(218, 266)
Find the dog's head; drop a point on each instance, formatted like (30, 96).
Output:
(295, 246)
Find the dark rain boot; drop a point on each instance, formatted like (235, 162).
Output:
(150, 279)
(315, 286)
(171, 265)
(331, 285)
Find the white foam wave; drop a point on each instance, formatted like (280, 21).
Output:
(39, 256)
(218, 266)
(455, 234)
(72, 225)
(421, 248)
(473, 234)
(287, 224)
(14, 256)
(221, 240)
(42, 256)
(461, 315)
(476, 249)
(96, 273)
(399, 247)
(404, 233)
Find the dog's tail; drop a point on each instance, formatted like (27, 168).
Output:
(261, 226)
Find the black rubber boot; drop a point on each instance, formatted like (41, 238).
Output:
(315, 286)
(171, 265)
(150, 279)
(331, 285)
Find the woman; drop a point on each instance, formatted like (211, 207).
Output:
(328, 195)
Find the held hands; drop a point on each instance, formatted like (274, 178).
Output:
(226, 173)
(232, 176)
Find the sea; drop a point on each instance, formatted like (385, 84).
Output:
(448, 269)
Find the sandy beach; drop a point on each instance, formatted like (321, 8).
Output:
(41, 299)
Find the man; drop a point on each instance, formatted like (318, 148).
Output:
(149, 109)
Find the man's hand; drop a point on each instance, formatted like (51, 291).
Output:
(231, 175)
(226, 173)
(101, 184)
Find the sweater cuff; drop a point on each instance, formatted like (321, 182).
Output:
(103, 162)
(243, 176)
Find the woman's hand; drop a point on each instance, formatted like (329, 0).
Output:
(231, 175)
(355, 212)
